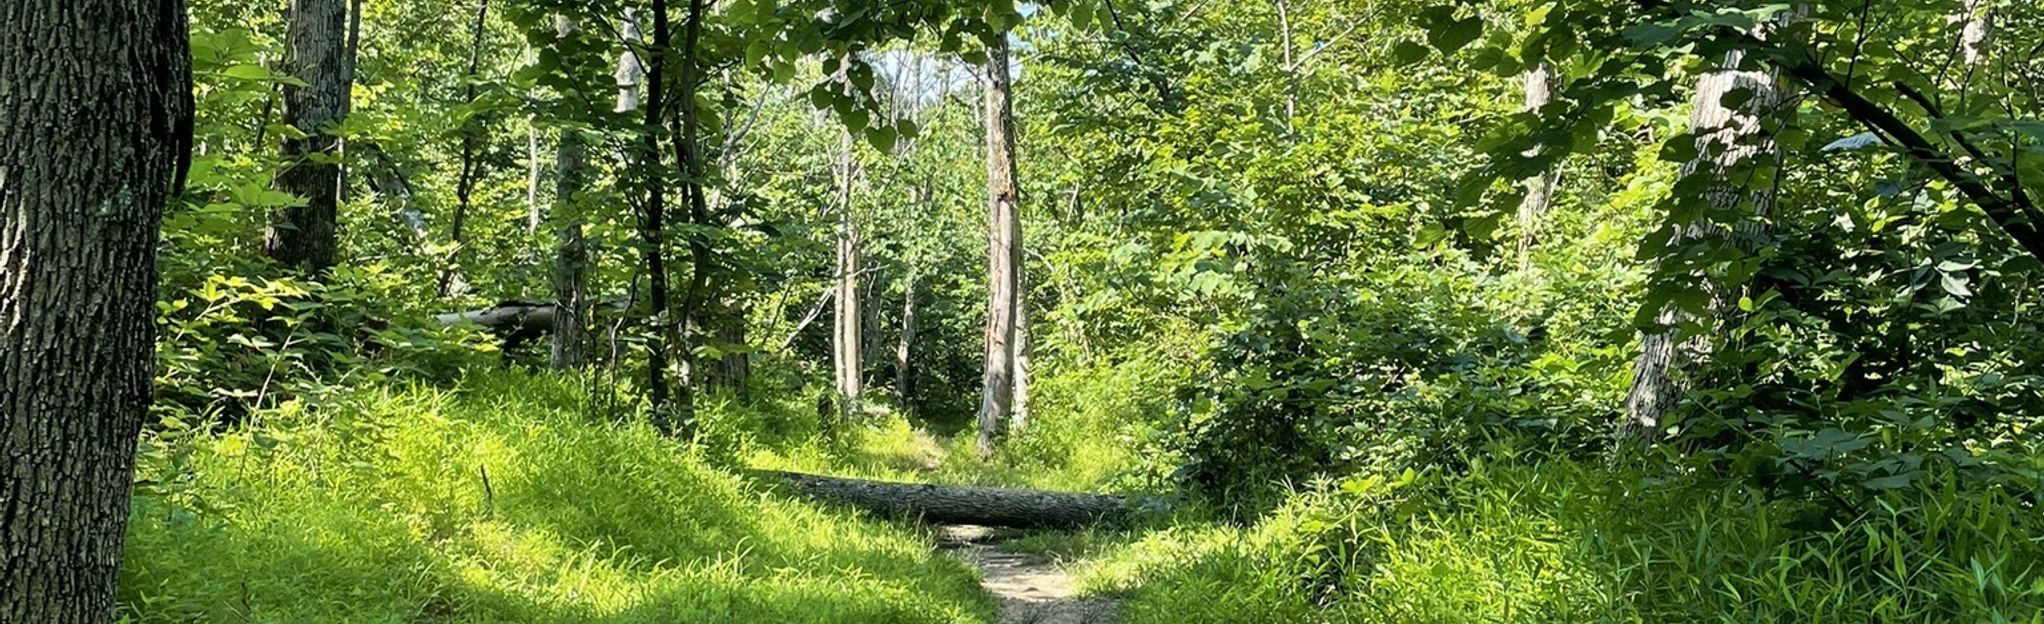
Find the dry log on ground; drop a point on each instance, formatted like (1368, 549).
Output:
(960, 504)
(519, 321)
(516, 321)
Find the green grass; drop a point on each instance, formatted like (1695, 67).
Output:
(1560, 541)
(373, 507)
(1090, 430)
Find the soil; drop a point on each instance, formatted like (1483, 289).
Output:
(1032, 589)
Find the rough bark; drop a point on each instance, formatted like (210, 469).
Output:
(1539, 87)
(689, 156)
(728, 330)
(1004, 234)
(904, 364)
(1018, 419)
(630, 72)
(305, 238)
(847, 362)
(571, 251)
(517, 321)
(946, 504)
(95, 137)
(1731, 144)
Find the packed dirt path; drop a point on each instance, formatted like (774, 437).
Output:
(1031, 590)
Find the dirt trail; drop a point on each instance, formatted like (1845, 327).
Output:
(1031, 589)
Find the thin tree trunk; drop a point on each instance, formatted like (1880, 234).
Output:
(1291, 68)
(1539, 86)
(631, 72)
(1004, 234)
(1024, 349)
(653, 209)
(95, 138)
(846, 346)
(471, 135)
(305, 238)
(904, 365)
(733, 367)
(532, 211)
(1973, 33)
(1729, 143)
(690, 155)
(571, 253)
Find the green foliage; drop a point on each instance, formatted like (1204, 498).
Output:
(1566, 541)
(500, 502)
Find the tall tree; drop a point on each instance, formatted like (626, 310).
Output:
(1539, 87)
(1733, 145)
(306, 237)
(471, 167)
(95, 137)
(1004, 250)
(571, 252)
(846, 343)
(689, 156)
(653, 208)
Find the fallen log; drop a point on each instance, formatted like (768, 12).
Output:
(961, 504)
(519, 321)
(516, 321)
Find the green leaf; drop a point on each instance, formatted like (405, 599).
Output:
(882, 138)
(1407, 52)
(1447, 33)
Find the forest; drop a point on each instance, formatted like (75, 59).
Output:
(1004, 311)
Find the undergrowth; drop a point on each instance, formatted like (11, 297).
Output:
(499, 502)
(1518, 540)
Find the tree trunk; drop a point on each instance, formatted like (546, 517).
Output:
(689, 154)
(1974, 24)
(1539, 188)
(1004, 240)
(846, 344)
(533, 215)
(571, 252)
(1729, 144)
(1024, 349)
(472, 130)
(734, 366)
(653, 205)
(516, 321)
(630, 72)
(305, 238)
(1008, 507)
(95, 137)
(904, 365)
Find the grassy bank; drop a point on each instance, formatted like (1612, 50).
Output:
(499, 502)
(1514, 540)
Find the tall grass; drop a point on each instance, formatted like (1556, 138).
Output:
(1515, 540)
(500, 502)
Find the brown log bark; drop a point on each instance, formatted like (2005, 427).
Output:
(847, 362)
(961, 504)
(571, 252)
(1539, 87)
(1730, 145)
(306, 237)
(1004, 256)
(95, 137)
(516, 321)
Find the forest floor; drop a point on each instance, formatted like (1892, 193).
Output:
(1031, 589)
